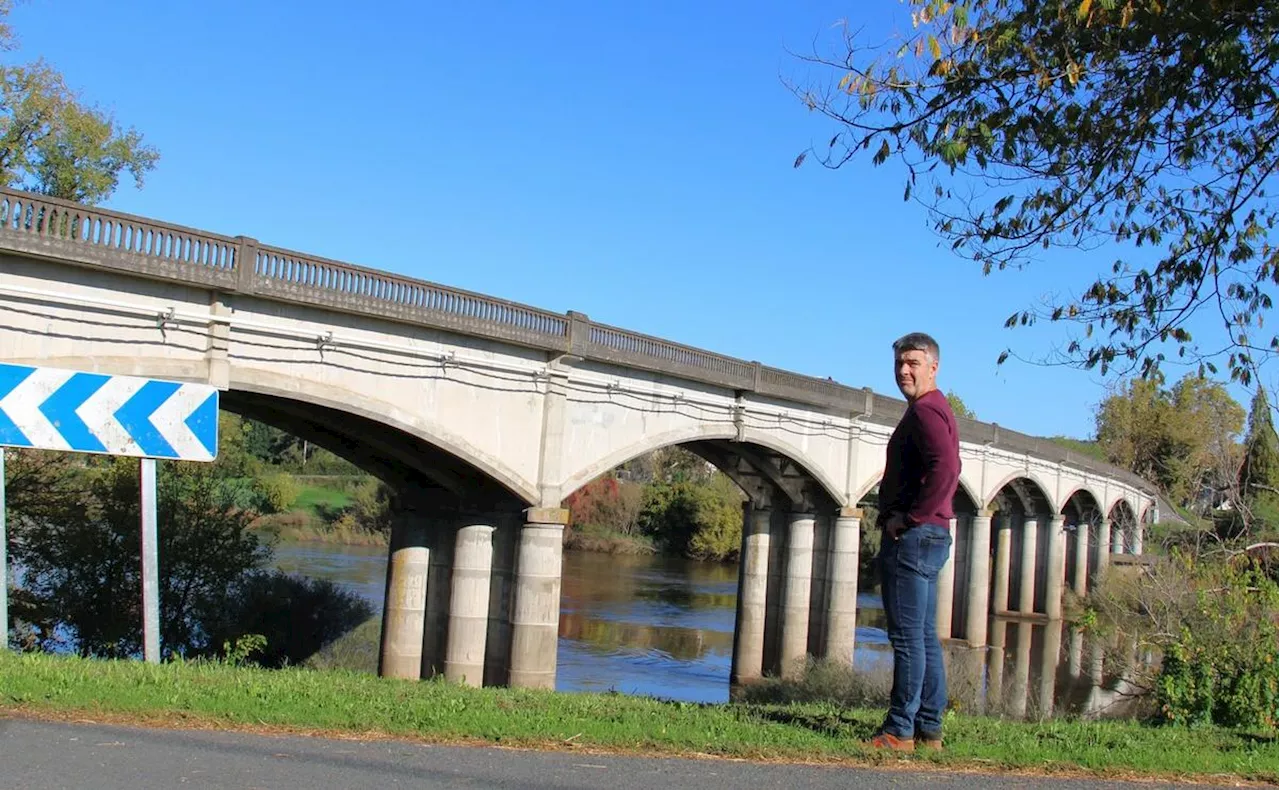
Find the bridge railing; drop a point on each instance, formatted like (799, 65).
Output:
(290, 276)
(51, 228)
(42, 227)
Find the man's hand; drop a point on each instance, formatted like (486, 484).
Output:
(895, 526)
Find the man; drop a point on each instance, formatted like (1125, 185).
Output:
(922, 468)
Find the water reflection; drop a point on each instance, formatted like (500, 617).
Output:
(664, 627)
(1027, 672)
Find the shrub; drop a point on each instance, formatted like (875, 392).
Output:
(277, 491)
(700, 519)
(1222, 667)
(1212, 617)
(608, 504)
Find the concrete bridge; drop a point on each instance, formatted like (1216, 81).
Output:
(485, 414)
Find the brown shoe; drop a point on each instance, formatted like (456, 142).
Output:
(929, 744)
(891, 742)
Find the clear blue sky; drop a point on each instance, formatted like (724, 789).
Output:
(632, 161)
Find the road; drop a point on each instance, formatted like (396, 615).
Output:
(38, 755)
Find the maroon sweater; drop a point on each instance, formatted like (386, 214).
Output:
(922, 464)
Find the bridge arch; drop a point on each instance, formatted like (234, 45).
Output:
(1086, 503)
(1039, 487)
(701, 433)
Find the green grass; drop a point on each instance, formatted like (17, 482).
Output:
(346, 702)
(311, 498)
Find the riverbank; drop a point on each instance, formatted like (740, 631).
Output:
(362, 706)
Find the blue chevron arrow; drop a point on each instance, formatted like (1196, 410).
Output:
(11, 376)
(135, 416)
(203, 423)
(60, 408)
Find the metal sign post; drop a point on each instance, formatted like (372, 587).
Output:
(55, 409)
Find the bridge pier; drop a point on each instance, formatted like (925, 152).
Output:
(947, 585)
(439, 595)
(975, 628)
(796, 594)
(842, 594)
(1080, 584)
(753, 583)
(1103, 548)
(1027, 571)
(464, 658)
(535, 616)
(1055, 568)
(1004, 549)
(404, 611)
(819, 585)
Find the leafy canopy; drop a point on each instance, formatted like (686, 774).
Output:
(1182, 439)
(1146, 124)
(53, 143)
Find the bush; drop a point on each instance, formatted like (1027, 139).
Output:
(371, 506)
(696, 519)
(1222, 667)
(608, 505)
(277, 491)
(1213, 619)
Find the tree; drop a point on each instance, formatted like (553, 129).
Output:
(53, 143)
(1073, 123)
(958, 407)
(1261, 466)
(1183, 439)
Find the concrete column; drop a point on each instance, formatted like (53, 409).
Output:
(947, 585)
(1117, 539)
(535, 616)
(1027, 573)
(975, 628)
(1056, 569)
(439, 584)
(501, 585)
(1080, 584)
(842, 598)
(795, 612)
(469, 605)
(1137, 538)
(753, 574)
(1004, 548)
(405, 605)
(818, 591)
(779, 527)
(1103, 547)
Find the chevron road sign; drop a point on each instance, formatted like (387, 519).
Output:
(56, 409)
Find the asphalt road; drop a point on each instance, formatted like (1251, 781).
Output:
(37, 755)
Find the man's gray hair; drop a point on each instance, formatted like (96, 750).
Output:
(917, 341)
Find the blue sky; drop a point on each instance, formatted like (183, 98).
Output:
(632, 161)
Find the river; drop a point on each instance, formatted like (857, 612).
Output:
(663, 627)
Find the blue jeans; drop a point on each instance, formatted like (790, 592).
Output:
(909, 586)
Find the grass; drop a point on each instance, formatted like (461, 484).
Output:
(313, 498)
(300, 700)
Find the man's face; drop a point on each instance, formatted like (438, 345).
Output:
(917, 373)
